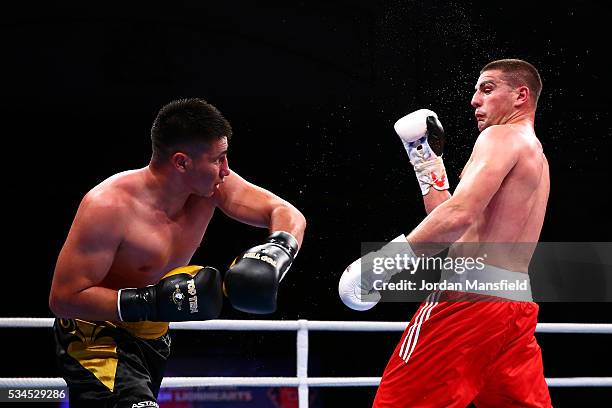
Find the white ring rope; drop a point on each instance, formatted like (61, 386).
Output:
(312, 325)
(188, 382)
(302, 381)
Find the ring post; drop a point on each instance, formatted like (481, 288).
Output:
(302, 363)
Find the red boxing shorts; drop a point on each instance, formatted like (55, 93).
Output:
(463, 347)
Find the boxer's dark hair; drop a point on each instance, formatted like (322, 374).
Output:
(187, 124)
(518, 73)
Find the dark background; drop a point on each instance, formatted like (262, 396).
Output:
(312, 91)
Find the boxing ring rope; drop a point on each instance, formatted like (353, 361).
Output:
(301, 380)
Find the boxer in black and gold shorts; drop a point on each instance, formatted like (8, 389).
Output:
(112, 364)
(125, 262)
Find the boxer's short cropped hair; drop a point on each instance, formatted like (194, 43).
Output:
(518, 73)
(187, 124)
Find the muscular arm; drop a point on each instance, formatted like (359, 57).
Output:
(436, 197)
(253, 205)
(85, 260)
(494, 155)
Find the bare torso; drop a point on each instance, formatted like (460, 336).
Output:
(509, 227)
(152, 243)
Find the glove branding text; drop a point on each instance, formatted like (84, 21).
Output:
(264, 258)
(193, 300)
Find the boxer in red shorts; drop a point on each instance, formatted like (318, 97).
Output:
(470, 343)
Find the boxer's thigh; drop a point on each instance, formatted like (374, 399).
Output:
(106, 367)
(517, 377)
(440, 358)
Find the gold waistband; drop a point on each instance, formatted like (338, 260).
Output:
(144, 330)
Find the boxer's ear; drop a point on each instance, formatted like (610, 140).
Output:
(180, 161)
(522, 96)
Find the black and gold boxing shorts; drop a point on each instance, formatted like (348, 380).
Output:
(111, 364)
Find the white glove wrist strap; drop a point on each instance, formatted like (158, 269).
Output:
(431, 174)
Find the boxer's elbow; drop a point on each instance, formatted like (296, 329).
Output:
(464, 220)
(299, 223)
(60, 304)
(286, 213)
(56, 305)
(300, 220)
(461, 217)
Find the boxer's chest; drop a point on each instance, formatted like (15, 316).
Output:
(153, 244)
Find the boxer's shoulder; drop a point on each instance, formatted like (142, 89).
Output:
(119, 191)
(506, 137)
(497, 131)
(108, 201)
(496, 138)
(518, 132)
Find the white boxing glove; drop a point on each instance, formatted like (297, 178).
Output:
(416, 130)
(355, 293)
(356, 286)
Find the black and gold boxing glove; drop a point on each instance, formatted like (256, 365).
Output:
(186, 293)
(251, 283)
